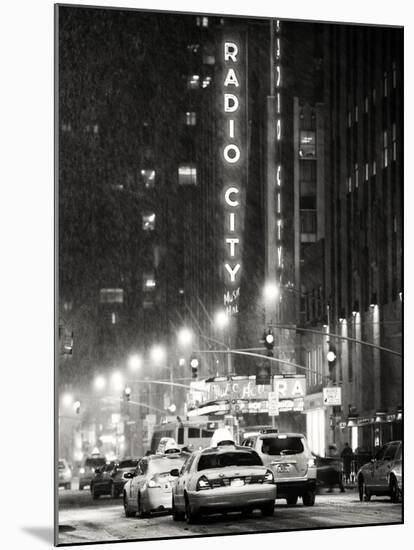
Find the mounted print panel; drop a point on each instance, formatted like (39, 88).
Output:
(229, 275)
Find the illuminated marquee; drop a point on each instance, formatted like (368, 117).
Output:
(232, 153)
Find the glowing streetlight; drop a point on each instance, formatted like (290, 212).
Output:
(67, 399)
(99, 383)
(117, 381)
(134, 363)
(157, 354)
(221, 319)
(185, 336)
(271, 291)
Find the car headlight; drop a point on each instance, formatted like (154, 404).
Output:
(203, 483)
(269, 478)
(152, 483)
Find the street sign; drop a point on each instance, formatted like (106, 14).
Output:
(332, 396)
(273, 403)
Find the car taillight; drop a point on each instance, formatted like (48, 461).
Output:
(152, 483)
(203, 483)
(311, 463)
(268, 478)
(82, 470)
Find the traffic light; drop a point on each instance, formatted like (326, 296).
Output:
(194, 364)
(269, 341)
(331, 355)
(127, 393)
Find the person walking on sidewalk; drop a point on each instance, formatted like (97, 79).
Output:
(347, 456)
(336, 469)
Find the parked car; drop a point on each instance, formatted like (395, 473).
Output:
(64, 473)
(288, 456)
(87, 471)
(220, 479)
(110, 479)
(148, 487)
(383, 474)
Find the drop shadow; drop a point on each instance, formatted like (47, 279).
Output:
(43, 533)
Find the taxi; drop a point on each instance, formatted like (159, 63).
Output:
(148, 488)
(221, 478)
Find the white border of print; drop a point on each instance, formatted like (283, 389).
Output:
(26, 224)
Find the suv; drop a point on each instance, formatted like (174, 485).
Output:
(291, 461)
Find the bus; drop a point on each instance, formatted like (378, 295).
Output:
(195, 433)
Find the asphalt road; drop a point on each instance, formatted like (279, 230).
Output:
(83, 520)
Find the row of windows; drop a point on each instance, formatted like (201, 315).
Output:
(385, 92)
(386, 153)
(194, 82)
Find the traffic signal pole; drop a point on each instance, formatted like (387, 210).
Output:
(338, 337)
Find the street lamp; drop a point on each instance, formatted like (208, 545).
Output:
(185, 336)
(157, 354)
(117, 381)
(67, 399)
(221, 319)
(271, 291)
(134, 363)
(99, 383)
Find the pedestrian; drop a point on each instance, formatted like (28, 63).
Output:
(335, 477)
(347, 457)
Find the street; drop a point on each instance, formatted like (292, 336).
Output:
(83, 520)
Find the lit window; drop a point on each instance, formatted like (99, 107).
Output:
(149, 283)
(349, 119)
(385, 84)
(181, 291)
(148, 222)
(111, 295)
(366, 171)
(204, 22)
(187, 175)
(206, 81)
(366, 104)
(307, 146)
(349, 184)
(117, 186)
(394, 74)
(374, 168)
(193, 47)
(209, 59)
(193, 82)
(66, 127)
(385, 149)
(148, 177)
(356, 175)
(356, 113)
(190, 118)
(394, 141)
(114, 318)
(92, 128)
(374, 96)
(67, 306)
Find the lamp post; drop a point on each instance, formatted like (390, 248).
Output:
(223, 322)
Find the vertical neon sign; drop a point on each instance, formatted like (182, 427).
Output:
(232, 103)
(279, 172)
